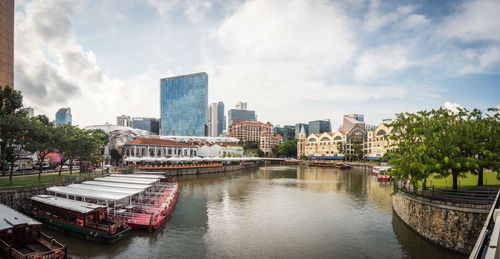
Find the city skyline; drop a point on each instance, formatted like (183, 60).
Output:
(374, 58)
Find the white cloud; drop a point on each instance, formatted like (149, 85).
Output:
(453, 107)
(375, 20)
(380, 63)
(414, 21)
(485, 60)
(475, 21)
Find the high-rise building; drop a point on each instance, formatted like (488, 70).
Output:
(221, 118)
(150, 124)
(183, 104)
(29, 111)
(63, 116)
(124, 121)
(320, 126)
(288, 132)
(240, 113)
(298, 128)
(7, 43)
(249, 131)
(278, 130)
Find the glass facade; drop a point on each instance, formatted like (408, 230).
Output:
(221, 122)
(288, 132)
(150, 124)
(63, 116)
(240, 115)
(183, 105)
(299, 126)
(319, 126)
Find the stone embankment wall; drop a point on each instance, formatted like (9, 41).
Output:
(452, 227)
(18, 198)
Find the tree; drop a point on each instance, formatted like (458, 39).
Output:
(116, 156)
(67, 144)
(16, 137)
(286, 149)
(42, 140)
(10, 101)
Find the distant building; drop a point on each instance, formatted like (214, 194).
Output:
(320, 126)
(29, 111)
(351, 120)
(298, 128)
(150, 124)
(124, 120)
(183, 105)
(7, 43)
(63, 116)
(249, 131)
(240, 113)
(216, 119)
(288, 132)
(278, 130)
(268, 141)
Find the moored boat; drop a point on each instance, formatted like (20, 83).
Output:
(84, 219)
(322, 164)
(20, 237)
(291, 162)
(342, 165)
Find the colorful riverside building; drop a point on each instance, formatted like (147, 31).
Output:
(250, 131)
(374, 143)
(268, 141)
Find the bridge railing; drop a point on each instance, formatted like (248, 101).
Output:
(461, 196)
(483, 242)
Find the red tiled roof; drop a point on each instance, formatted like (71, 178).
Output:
(157, 142)
(251, 123)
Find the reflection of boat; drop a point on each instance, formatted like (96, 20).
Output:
(20, 237)
(291, 162)
(322, 164)
(85, 219)
(342, 166)
(383, 176)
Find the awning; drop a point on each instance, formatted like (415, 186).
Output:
(93, 194)
(78, 206)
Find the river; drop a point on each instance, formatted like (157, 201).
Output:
(278, 212)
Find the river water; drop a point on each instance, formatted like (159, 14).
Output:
(274, 212)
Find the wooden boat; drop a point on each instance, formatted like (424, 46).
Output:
(383, 176)
(20, 237)
(291, 162)
(81, 218)
(342, 166)
(378, 169)
(322, 164)
(179, 166)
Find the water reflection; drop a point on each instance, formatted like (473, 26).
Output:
(276, 211)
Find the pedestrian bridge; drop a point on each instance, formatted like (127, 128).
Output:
(488, 243)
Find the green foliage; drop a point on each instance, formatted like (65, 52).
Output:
(115, 156)
(286, 149)
(254, 152)
(443, 142)
(303, 157)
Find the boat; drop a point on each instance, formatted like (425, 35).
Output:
(84, 219)
(342, 166)
(20, 237)
(177, 166)
(382, 175)
(291, 162)
(322, 164)
(378, 169)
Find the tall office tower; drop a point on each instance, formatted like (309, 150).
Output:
(299, 127)
(320, 126)
(7, 43)
(150, 124)
(124, 121)
(29, 111)
(183, 104)
(221, 118)
(240, 113)
(212, 120)
(63, 116)
(288, 132)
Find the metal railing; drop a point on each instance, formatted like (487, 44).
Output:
(460, 196)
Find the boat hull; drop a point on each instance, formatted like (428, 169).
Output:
(88, 234)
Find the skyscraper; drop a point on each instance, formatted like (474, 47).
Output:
(320, 126)
(212, 120)
(150, 124)
(183, 104)
(298, 128)
(63, 116)
(124, 121)
(240, 113)
(7, 43)
(221, 118)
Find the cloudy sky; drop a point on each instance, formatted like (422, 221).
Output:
(292, 61)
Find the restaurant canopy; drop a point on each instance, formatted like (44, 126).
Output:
(92, 194)
(147, 176)
(78, 206)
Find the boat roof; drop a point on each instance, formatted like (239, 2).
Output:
(9, 218)
(141, 176)
(78, 206)
(106, 188)
(117, 179)
(120, 185)
(93, 194)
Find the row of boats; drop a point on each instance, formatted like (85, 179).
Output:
(104, 210)
(326, 164)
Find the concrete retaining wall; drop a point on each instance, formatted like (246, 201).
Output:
(18, 198)
(190, 171)
(455, 228)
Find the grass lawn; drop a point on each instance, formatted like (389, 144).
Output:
(30, 181)
(489, 178)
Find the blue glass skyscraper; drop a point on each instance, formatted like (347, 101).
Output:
(63, 116)
(183, 104)
(221, 120)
